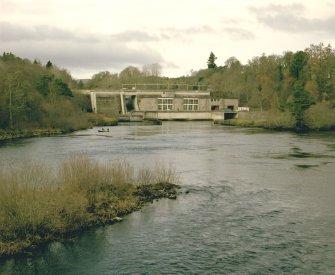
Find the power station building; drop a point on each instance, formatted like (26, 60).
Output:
(162, 104)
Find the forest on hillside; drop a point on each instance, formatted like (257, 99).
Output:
(265, 82)
(35, 96)
(292, 83)
(299, 86)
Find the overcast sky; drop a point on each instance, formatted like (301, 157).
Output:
(89, 36)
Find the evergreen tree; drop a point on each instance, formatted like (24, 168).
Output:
(43, 84)
(298, 63)
(302, 100)
(61, 88)
(211, 61)
(48, 65)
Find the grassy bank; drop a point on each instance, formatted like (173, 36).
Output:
(319, 117)
(92, 120)
(101, 120)
(14, 134)
(38, 205)
(267, 120)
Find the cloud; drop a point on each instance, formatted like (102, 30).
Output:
(87, 55)
(14, 32)
(167, 33)
(68, 49)
(239, 33)
(289, 18)
(238, 28)
(172, 32)
(171, 65)
(134, 35)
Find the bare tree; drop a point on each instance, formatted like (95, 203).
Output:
(154, 69)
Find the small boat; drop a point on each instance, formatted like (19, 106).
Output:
(103, 130)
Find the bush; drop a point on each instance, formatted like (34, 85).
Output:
(279, 120)
(268, 119)
(320, 117)
(100, 120)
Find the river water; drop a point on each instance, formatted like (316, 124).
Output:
(252, 202)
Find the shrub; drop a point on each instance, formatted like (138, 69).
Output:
(320, 117)
(279, 120)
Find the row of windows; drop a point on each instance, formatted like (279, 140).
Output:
(191, 104)
(166, 104)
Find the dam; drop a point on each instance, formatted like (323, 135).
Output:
(163, 102)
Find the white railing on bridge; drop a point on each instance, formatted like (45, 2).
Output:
(163, 86)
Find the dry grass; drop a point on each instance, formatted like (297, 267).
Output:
(320, 116)
(38, 205)
(268, 120)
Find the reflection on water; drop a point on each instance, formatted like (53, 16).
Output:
(252, 202)
(304, 166)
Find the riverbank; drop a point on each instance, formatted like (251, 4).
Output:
(15, 134)
(93, 120)
(249, 123)
(38, 206)
(283, 121)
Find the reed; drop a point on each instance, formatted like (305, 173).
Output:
(38, 204)
(269, 120)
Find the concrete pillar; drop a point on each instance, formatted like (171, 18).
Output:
(137, 108)
(93, 96)
(122, 103)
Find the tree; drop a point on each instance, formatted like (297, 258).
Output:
(61, 88)
(16, 97)
(80, 84)
(104, 80)
(43, 84)
(154, 69)
(8, 56)
(231, 61)
(33, 96)
(130, 73)
(321, 64)
(301, 101)
(211, 61)
(48, 65)
(297, 65)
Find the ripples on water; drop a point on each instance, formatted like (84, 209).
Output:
(252, 202)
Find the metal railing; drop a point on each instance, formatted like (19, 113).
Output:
(164, 86)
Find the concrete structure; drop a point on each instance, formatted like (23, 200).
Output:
(224, 104)
(162, 104)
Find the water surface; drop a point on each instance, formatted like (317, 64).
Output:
(252, 202)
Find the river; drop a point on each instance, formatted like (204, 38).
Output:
(252, 202)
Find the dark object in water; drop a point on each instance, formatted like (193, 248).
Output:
(305, 166)
(157, 122)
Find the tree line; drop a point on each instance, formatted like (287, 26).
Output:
(35, 96)
(150, 73)
(265, 82)
(300, 83)
(293, 82)
(268, 81)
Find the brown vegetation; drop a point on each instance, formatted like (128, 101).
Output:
(267, 119)
(38, 204)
